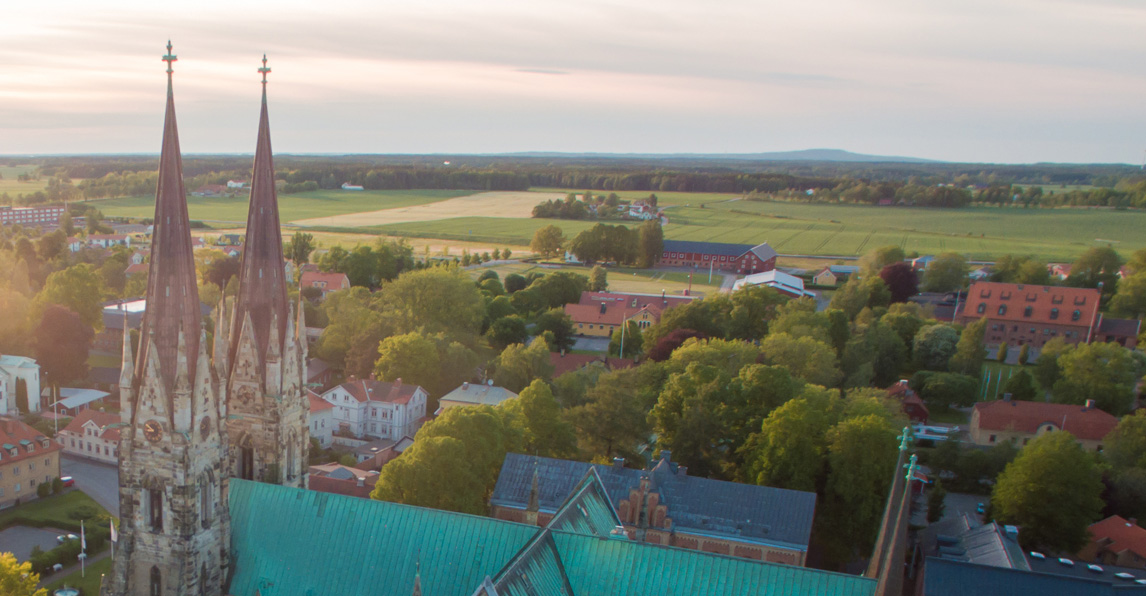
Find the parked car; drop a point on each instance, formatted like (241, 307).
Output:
(68, 480)
(62, 538)
(981, 509)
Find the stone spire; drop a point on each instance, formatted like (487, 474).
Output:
(887, 524)
(172, 294)
(262, 287)
(417, 579)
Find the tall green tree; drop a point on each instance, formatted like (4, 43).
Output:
(969, 352)
(517, 366)
(808, 359)
(936, 502)
(548, 241)
(934, 346)
(651, 243)
(613, 421)
(1130, 299)
(1107, 373)
(790, 448)
(1021, 386)
(946, 273)
(412, 357)
(299, 248)
(62, 343)
(546, 431)
(631, 338)
(1097, 265)
(77, 288)
(598, 279)
(1047, 369)
(1126, 444)
(875, 260)
(861, 458)
(558, 325)
(435, 300)
(1052, 464)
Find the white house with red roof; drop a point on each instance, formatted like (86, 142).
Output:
(92, 434)
(366, 409)
(108, 240)
(321, 419)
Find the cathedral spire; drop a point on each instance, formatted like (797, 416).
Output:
(262, 287)
(172, 294)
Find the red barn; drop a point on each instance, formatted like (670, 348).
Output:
(739, 258)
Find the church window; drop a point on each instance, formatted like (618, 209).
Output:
(156, 582)
(205, 503)
(203, 580)
(156, 502)
(247, 464)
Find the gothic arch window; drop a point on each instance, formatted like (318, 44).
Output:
(246, 458)
(156, 508)
(290, 456)
(205, 502)
(156, 582)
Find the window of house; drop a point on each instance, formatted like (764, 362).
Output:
(991, 439)
(1002, 309)
(1054, 314)
(1028, 311)
(982, 307)
(1076, 315)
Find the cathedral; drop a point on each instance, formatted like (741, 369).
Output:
(194, 419)
(212, 468)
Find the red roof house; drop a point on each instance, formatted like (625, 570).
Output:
(327, 282)
(1021, 314)
(912, 405)
(993, 422)
(563, 363)
(1116, 541)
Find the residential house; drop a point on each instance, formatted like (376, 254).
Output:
(1116, 541)
(666, 506)
(994, 422)
(327, 282)
(1059, 270)
(921, 263)
(136, 269)
(642, 209)
(597, 314)
(18, 375)
(75, 244)
(92, 434)
(230, 240)
(342, 480)
(1032, 315)
(108, 240)
(913, 406)
(139, 256)
(210, 190)
(825, 277)
(786, 284)
(366, 409)
(375, 454)
(737, 258)
(74, 400)
(475, 394)
(319, 374)
(321, 419)
(27, 459)
(565, 363)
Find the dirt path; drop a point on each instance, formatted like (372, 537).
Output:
(486, 204)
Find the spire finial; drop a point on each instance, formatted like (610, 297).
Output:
(904, 439)
(169, 58)
(265, 69)
(911, 467)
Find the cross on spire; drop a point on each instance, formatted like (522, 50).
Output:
(169, 58)
(264, 69)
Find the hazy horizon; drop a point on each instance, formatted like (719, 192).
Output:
(1022, 81)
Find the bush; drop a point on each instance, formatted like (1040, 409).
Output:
(84, 512)
(43, 489)
(57, 486)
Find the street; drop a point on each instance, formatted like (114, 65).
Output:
(99, 480)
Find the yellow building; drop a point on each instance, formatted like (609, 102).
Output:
(994, 422)
(27, 459)
(601, 320)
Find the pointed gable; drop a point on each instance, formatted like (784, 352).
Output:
(172, 294)
(262, 287)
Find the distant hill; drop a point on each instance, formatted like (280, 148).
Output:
(822, 155)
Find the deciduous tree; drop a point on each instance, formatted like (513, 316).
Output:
(969, 352)
(62, 344)
(17, 579)
(548, 241)
(650, 243)
(613, 420)
(546, 431)
(77, 288)
(299, 248)
(517, 366)
(901, 281)
(1052, 464)
(946, 273)
(808, 359)
(934, 346)
(632, 340)
(1105, 373)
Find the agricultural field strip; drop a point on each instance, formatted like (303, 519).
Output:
(487, 204)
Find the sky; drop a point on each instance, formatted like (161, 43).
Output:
(1013, 81)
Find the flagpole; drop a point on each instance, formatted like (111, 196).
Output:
(83, 548)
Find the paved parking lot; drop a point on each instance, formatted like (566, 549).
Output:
(99, 480)
(20, 540)
(960, 503)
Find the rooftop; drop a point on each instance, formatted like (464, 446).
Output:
(1088, 424)
(1031, 304)
(1120, 535)
(478, 394)
(372, 390)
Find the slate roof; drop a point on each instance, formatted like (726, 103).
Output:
(956, 578)
(696, 505)
(1088, 424)
(71, 397)
(711, 248)
(1119, 327)
(371, 390)
(666, 301)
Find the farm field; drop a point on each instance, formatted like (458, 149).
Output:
(623, 279)
(486, 204)
(664, 199)
(321, 203)
(13, 187)
(348, 240)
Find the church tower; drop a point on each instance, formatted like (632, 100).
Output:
(266, 355)
(174, 521)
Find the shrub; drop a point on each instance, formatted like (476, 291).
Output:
(83, 512)
(43, 489)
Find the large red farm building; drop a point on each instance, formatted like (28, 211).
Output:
(740, 258)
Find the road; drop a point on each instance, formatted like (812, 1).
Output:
(20, 540)
(957, 504)
(99, 480)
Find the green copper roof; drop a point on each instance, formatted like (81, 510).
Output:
(603, 566)
(588, 510)
(535, 570)
(287, 541)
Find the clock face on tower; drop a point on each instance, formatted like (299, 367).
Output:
(205, 427)
(153, 431)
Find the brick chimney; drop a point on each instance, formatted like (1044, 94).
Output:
(618, 462)
(1089, 405)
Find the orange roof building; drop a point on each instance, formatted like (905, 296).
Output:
(92, 434)
(994, 422)
(27, 459)
(1116, 541)
(1019, 314)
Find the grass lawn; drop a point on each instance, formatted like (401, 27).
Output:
(305, 205)
(89, 584)
(947, 416)
(994, 376)
(9, 183)
(50, 511)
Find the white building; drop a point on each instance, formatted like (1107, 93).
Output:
(349, 186)
(786, 284)
(321, 419)
(474, 394)
(12, 370)
(365, 409)
(92, 434)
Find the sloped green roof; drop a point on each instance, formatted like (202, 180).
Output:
(535, 570)
(287, 541)
(588, 510)
(603, 566)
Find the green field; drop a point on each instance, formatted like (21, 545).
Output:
(89, 584)
(848, 230)
(664, 199)
(622, 279)
(291, 207)
(9, 184)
